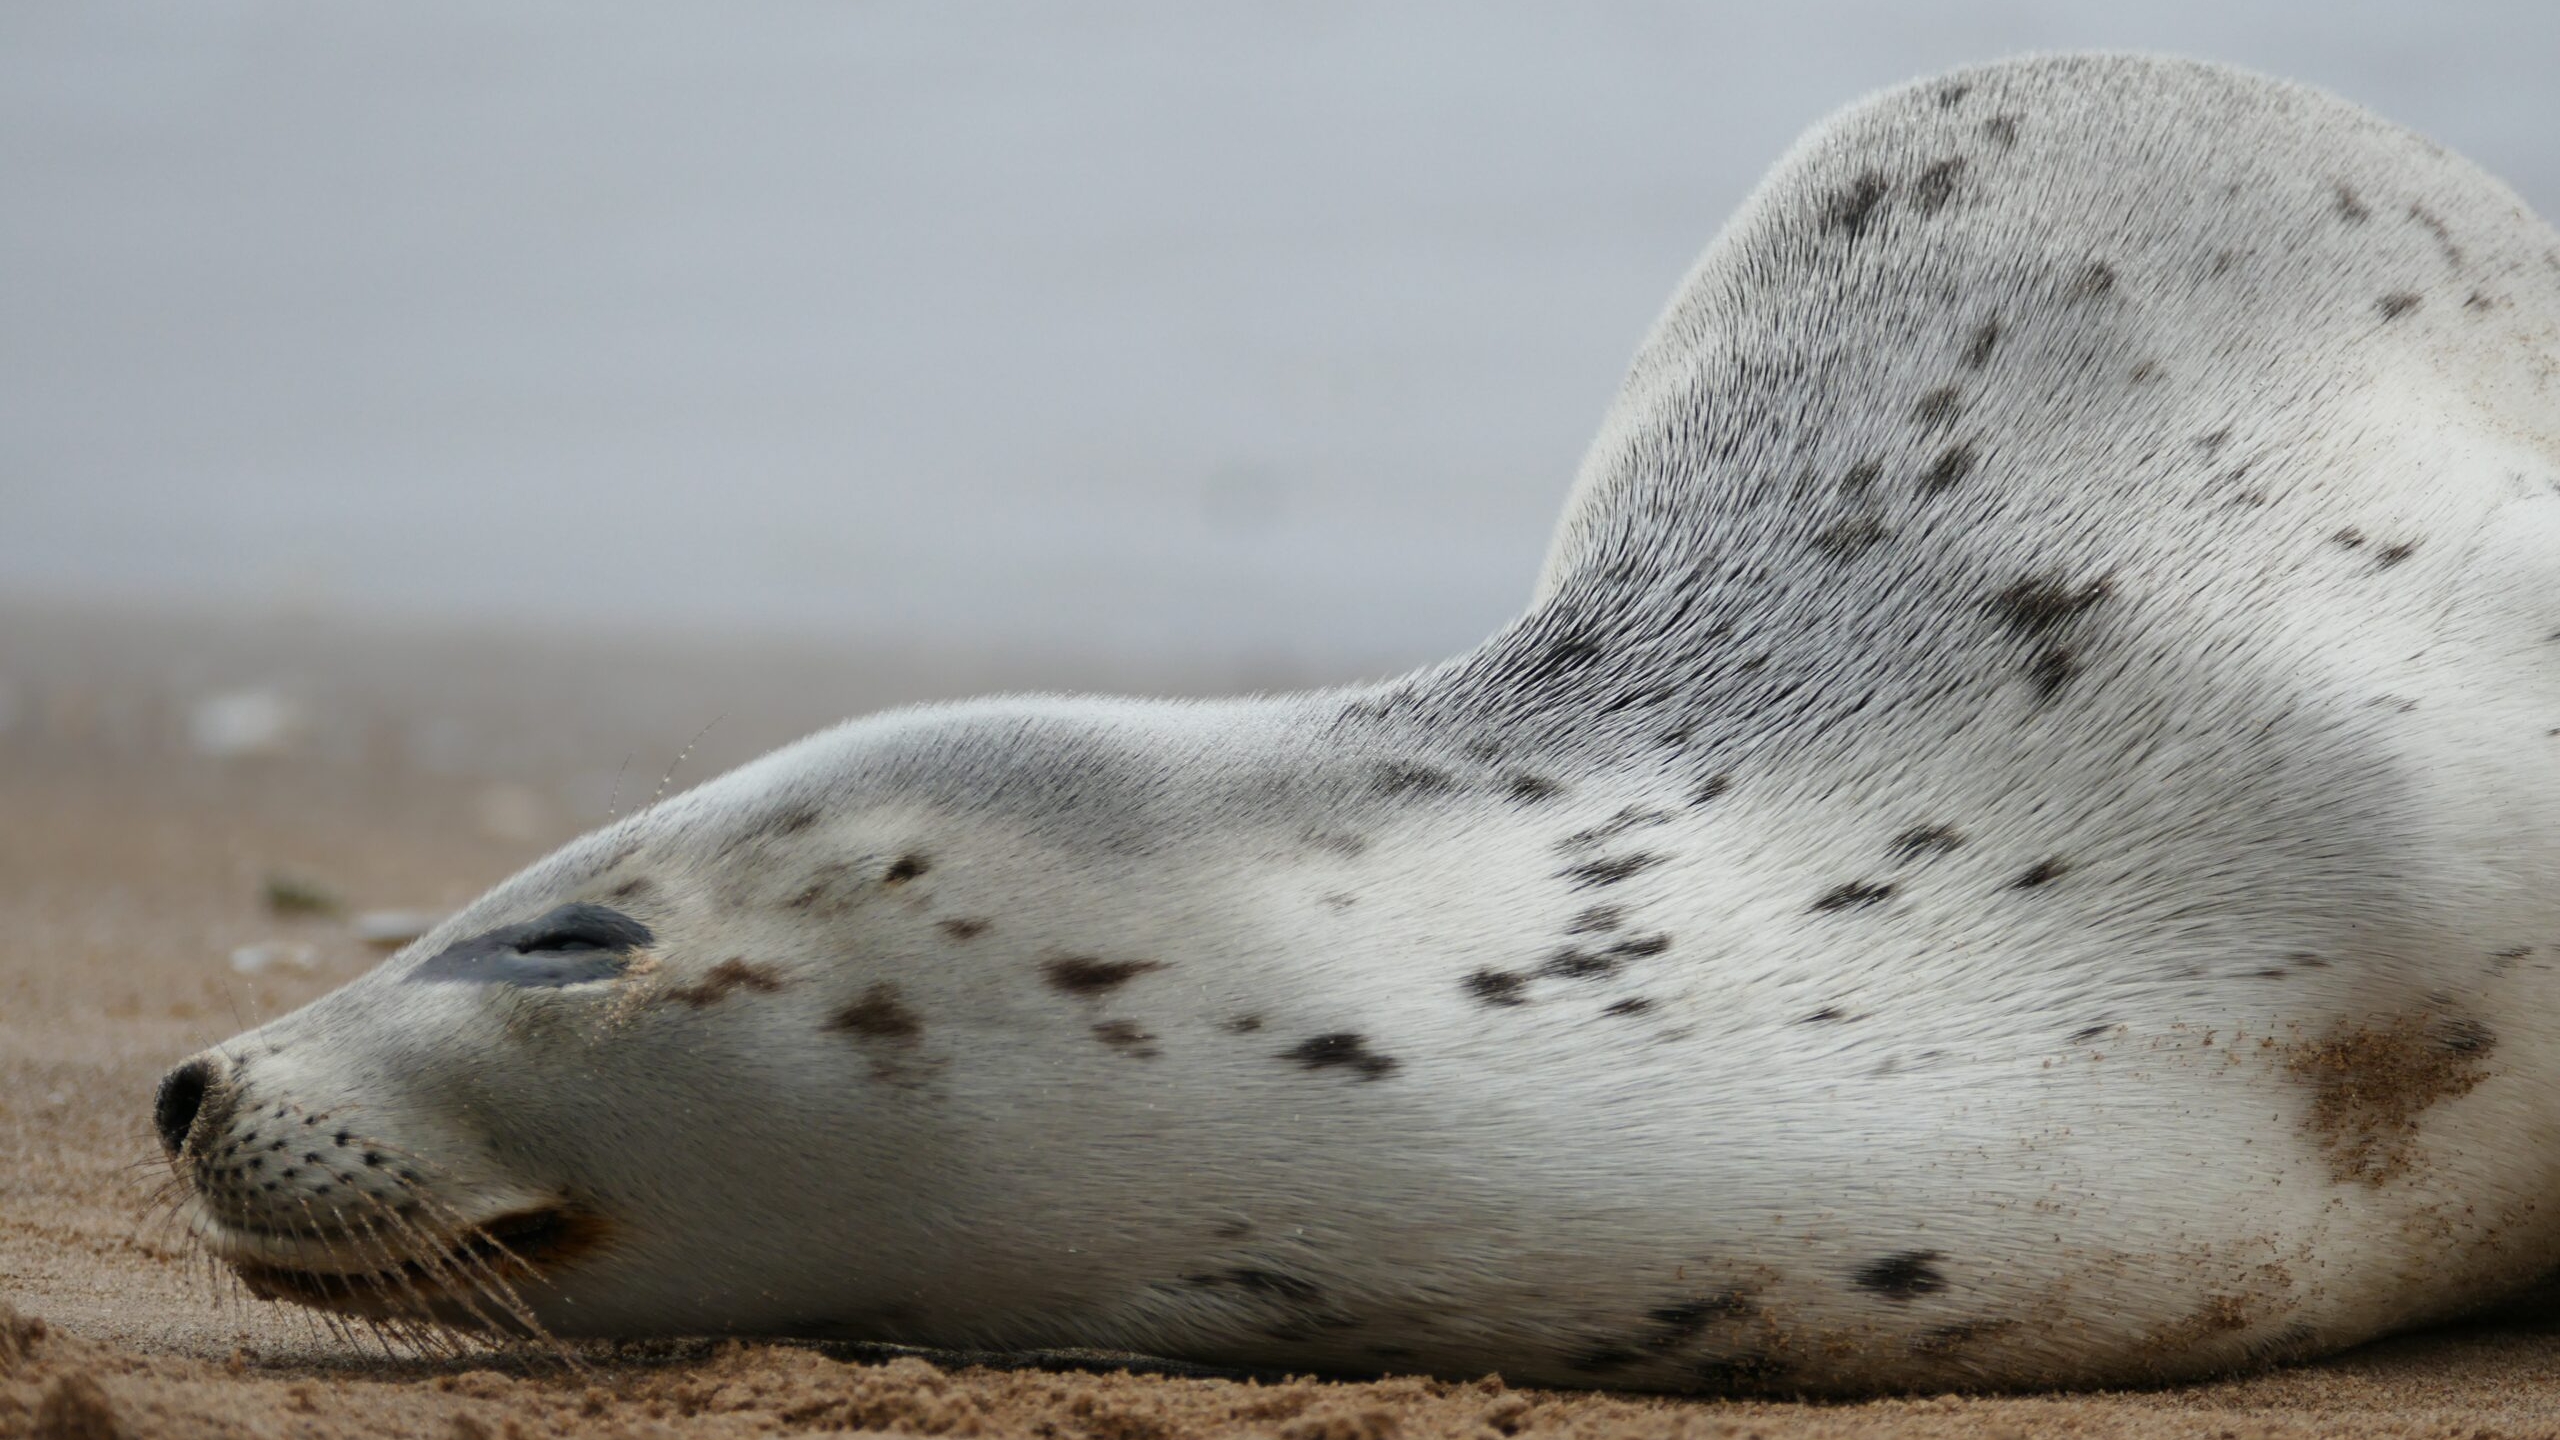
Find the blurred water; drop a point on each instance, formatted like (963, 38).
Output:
(1267, 330)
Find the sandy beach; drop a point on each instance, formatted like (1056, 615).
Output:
(151, 856)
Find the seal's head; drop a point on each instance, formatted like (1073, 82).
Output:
(784, 1054)
(685, 1074)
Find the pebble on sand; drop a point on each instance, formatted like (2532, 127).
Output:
(290, 894)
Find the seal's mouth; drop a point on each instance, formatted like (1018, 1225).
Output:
(466, 1278)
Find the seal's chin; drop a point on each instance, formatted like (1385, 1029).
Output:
(465, 1276)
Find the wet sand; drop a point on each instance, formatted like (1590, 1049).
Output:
(413, 770)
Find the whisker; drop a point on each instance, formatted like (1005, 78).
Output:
(663, 780)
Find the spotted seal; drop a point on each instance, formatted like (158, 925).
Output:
(2017, 842)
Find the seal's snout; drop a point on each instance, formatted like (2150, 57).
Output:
(180, 1102)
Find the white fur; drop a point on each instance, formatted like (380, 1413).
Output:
(2127, 599)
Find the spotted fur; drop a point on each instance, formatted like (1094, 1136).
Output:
(2016, 842)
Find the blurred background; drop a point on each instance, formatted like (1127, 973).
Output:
(861, 352)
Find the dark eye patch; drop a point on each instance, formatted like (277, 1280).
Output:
(569, 946)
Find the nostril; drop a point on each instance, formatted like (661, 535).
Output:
(173, 1110)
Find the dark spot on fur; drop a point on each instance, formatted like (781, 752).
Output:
(1532, 789)
(2051, 671)
(1631, 818)
(1826, 1013)
(965, 929)
(1860, 478)
(905, 868)
(2462, 1036)
(721, 980)
(2214, 442)
(878, 1016)
(2396, 304)
(1906, 1276)
(1853, 208)
(1953, 95)
(1857, 894)
(1936, 185)
(1341, 1050)
(1243, 1025)
(1641, 946)
(2093, 282)
(1572, 965)
(2350, 537)
(2041, 602)
(2350, 208)
(1497, 987)
(2478, 302)
(1595, 919)
(2085, 1035)
(2144, 373)
(793, 821)
(1986, 338)
(1922, 841)
(1953, 464)
(1937, 409)
(1609, 871)
(2436, 228)
(1571, 651)
(2390, 555)
(1849, 537)
(1086, 976)
(1125, 1035)
(1634, 1006)
(1401, 778)
(2002, 130)
(1710, 789)
(1676, 1324)
(2043, 872)
(1336, 842)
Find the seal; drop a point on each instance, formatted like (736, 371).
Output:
(2014, 844)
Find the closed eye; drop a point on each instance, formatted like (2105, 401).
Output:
(555, 941)
(572, 945)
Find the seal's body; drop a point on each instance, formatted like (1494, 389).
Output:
(2017, 842)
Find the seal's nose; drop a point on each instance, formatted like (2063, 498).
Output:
(173, 1110)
